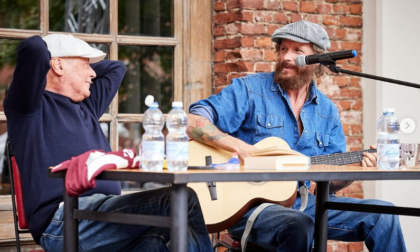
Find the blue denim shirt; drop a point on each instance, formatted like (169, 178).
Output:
(254, 107)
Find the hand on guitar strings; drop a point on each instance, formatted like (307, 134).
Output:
(369, 159)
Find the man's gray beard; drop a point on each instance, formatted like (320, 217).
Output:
(302, 78)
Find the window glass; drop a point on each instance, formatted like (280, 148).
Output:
(19, 14)
(149, 72)
(146, 17)
(79, 16)
(7, 65)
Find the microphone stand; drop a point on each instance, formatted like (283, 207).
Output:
(333, 68)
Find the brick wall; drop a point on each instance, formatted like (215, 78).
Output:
(242, 45)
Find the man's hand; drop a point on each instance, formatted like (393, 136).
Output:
(369, 159)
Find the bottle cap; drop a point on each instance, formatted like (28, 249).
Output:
(149, 100)
(177, 104)
(154, 105)
(389, 110)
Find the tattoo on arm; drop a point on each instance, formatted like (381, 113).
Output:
(335, 186)
(205, 129)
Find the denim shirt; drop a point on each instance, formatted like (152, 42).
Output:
(254, 107)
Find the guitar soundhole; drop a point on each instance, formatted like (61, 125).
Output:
(257, 182)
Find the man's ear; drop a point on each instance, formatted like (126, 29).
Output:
(57, 66)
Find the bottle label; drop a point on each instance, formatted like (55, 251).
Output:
(177, 151)
(389, 151)
(152, 150)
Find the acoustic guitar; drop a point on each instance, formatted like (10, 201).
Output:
(234, 199)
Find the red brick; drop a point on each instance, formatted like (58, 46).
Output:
(340, 33)
(315, 18)
(334, 46)
(354, 35)
(262, 67)
(354, 141)
(355, 246)
(233, 55)
(344, 105)
(295, 17)
(227, 43)
(231, 28)
(273, 5)
(245, 4)
(290, 6)
(220, 79)
(232, 16)
(271, 29)
(351, 116)
(249, 66)
(252, 28)
(358, 105)
(323, 8)
(263, 16)
(235, 75)
(341, 81)
(355, 82)
(280, 18)
(346, 129)
(355, 8)
(229, 67)
(270, 55)
(308, 7)
(247, 41)
(219, 56)
(219, 6)
(350, 93)
(251, 54)
(355, 60)
(357, 130)
(351, 21)
(264, 42)
(218, 31)
(340, 8)
(352, 46)
(331, 20)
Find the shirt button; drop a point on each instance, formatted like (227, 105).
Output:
(303, 110)
(268, 124)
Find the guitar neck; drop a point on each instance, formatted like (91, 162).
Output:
(340, 158)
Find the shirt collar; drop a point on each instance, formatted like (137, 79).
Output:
(313, 91)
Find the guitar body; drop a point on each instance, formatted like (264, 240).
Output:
(234, 199)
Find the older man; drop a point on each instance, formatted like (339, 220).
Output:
(287, 104)
(53, 108)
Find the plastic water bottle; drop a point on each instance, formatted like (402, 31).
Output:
(177, 138)
(152, 141)
(388, 143)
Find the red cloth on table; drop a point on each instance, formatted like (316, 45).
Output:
(83, 169)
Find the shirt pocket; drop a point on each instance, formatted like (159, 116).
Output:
(321, 141)
(269, 125)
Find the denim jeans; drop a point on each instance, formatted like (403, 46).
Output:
(284, 229)
(106, 236)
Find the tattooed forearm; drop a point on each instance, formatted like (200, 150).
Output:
(205, 129)
(335, 186)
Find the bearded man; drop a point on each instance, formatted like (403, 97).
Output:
(287, 104)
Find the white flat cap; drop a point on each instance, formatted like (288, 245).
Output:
(66, 45)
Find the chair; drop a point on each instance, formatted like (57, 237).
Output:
(20, 222)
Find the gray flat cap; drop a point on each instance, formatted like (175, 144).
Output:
(303, 32)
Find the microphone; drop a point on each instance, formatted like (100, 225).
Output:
(324, 58)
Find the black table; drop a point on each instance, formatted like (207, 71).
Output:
(177, 222)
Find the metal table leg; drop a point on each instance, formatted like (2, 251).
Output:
(179, 215)
(321, 216)
(71, 232)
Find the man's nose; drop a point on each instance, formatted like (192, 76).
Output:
(92, 73)
(289, 56)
